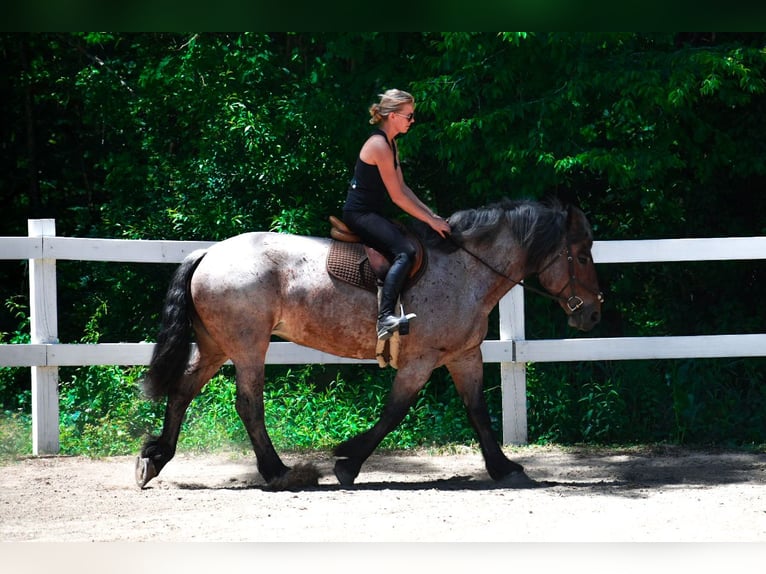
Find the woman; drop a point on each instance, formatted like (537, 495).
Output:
(378, 175)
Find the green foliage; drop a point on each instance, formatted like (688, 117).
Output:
(307, 410)
(679, 401)
(103, 413)
(303, 416)
(211, 421)
(15, 434)
(15, 392)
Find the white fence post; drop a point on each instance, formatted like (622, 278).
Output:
(44, 329)
(513, 375)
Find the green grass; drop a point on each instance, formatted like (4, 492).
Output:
(15, 434)
(103, 413)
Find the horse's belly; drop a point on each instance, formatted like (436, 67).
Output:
(330, 320)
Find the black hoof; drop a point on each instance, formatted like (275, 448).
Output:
(519, 479)
(145, 471)
(500, 469)
(346, 471)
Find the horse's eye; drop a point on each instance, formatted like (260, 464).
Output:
(583, 259)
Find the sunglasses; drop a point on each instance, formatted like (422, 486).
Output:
(409, 117)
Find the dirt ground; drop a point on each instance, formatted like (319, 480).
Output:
(632, 495)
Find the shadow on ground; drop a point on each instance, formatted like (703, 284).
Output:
(619, 472)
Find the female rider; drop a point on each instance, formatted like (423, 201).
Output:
(377, 177)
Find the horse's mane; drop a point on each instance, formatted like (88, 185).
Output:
(539, 228)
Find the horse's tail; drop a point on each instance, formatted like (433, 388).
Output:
(171, 353)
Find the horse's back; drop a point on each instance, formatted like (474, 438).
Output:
(260, 241)
(260, 253)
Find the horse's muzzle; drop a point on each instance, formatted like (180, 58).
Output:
(585, 317)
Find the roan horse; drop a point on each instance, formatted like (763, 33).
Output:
(238, 293)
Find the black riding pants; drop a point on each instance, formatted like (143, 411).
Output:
(383, 235)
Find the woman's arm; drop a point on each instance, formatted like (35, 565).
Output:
(380, 154)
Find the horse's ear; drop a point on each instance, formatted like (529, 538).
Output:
(570, 213)
(573, 211)
(577, 222)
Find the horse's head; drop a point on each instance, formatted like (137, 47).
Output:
(571, 274)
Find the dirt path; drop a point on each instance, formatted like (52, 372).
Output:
(646, 495)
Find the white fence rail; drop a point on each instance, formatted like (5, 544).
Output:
(44, 355)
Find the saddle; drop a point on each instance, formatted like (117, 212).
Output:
(353, 262)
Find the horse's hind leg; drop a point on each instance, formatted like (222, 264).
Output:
(250, 408)
(159, 450)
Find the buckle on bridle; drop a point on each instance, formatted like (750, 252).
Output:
(574, 303)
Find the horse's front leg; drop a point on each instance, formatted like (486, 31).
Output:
(356, 450)
(467, 373)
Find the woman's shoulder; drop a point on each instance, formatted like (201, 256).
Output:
(378, 138)
(376, 147)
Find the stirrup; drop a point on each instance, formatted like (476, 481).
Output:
(401, 324)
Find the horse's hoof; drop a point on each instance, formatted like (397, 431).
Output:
(519, 479)
(345, 473)
(145, 471)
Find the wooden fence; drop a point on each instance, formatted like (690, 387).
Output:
(45, 354)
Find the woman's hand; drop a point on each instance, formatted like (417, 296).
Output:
(439, 225)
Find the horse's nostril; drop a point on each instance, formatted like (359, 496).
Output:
(595, 317)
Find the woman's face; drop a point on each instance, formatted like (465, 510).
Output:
(404, 118)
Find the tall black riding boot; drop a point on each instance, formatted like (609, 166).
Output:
(388, 321)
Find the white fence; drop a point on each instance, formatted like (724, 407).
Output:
(45, 354)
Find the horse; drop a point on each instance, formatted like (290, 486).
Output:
(232, 297)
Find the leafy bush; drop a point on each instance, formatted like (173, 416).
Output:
(103, 413)
(690, 401)
(15, 434)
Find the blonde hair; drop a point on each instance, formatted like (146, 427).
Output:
(390, 101)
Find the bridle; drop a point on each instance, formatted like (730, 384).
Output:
(573, 302)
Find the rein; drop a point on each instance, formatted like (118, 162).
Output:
(573, 302)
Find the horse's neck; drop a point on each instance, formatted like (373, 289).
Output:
(495, 269)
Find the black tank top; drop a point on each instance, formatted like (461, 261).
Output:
(367, 192)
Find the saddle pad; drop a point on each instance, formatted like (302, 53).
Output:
(348, 262)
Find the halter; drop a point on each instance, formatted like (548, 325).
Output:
(573, 302)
